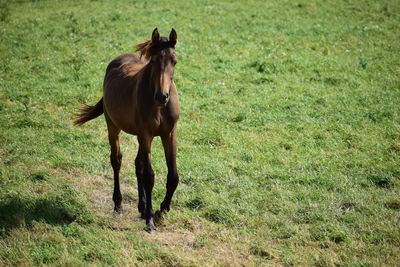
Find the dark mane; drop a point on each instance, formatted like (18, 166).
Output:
(149, 48)
(145, 49)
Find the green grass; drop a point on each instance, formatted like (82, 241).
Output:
(289, 137)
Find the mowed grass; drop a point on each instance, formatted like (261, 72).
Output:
(289, 137)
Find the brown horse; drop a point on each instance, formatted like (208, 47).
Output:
(140, 98)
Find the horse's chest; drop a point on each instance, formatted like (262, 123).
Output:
(161, 125)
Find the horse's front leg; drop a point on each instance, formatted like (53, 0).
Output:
(143, 167)
(169, 143)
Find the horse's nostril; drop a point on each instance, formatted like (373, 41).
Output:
(162, 98)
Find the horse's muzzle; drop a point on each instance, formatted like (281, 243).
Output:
(161, 98)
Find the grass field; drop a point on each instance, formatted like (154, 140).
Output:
(289, 137)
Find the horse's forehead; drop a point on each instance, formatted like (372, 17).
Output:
(162, 44)
(167, 52)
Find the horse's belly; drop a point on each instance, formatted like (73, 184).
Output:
(123, 121)
(128, 127)
(121, 114)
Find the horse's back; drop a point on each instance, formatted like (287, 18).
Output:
(125, 59)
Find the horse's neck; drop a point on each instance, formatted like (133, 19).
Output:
(144, 84)
(145, 87)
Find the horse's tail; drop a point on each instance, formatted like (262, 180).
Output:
(87, 113)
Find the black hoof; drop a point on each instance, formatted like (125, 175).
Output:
(164, 207)
(159, 217)
(150, 228)
(118, 210)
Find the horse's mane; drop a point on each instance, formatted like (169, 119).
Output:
(145, 49)
(149, 48)
(131, 69)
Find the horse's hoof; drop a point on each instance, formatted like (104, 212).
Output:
(158, 217)
(150, 228)
(118, 210)
(164, 207)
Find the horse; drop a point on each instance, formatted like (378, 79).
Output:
(140, 98)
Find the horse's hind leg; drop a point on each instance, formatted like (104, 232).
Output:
(116, 159)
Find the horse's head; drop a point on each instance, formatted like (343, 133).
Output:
(160, 51)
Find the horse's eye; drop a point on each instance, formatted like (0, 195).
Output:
(174, 62)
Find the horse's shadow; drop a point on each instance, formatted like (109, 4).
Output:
(18, 211)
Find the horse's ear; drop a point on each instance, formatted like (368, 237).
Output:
(155, 36)
(172, 37)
